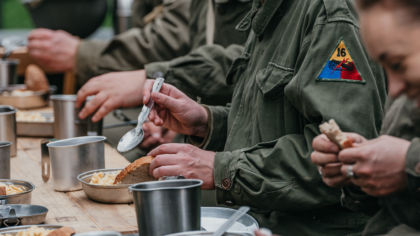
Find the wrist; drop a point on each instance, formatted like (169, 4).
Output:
(202, 130)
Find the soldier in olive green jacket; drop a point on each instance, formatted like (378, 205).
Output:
(303, 64)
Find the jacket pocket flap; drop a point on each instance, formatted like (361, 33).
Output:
(272, 78)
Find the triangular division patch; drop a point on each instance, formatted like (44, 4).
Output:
(340, 66)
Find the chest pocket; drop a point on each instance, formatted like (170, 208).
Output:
(272, 79)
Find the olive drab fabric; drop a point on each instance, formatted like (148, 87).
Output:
(264, 136)
(166, 37)
(202, 72)
(400, 212)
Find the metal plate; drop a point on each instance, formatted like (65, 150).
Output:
(16, 229)
(23, 214)
(213, 217)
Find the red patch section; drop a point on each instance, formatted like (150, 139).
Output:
(350, 72)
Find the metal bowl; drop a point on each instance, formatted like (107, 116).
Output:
(20, 198)
(16, 229)
(22, 214)
(36, 100)
(102, 193)
(204, 233)
(99, 233)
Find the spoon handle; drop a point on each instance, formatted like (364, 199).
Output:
(157, 85)
(238, 214)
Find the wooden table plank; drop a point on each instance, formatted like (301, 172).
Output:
(72, 209)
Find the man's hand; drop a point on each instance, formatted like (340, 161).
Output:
(183, 159)
(325, 156)
(155, 136)
(378, 164)
(112, 90)
(176, 111)
(53, 50)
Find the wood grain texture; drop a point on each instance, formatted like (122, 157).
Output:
(72, 209)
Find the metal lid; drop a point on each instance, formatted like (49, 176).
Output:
(76, 141)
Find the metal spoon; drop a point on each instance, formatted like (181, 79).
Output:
(135, 136)
(222, 229)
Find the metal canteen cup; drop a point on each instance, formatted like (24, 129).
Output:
(169, 206)
(8, 127)
(70, 157)
(5, 160)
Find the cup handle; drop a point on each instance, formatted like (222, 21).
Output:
(45, 160)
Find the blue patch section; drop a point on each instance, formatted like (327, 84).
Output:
(329, 73)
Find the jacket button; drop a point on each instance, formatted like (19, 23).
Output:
(226, 183)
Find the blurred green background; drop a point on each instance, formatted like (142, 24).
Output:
(14, 15)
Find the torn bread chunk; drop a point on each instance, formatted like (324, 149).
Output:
(334, 133)
(63, 231)
(136, 172)
(3, 190)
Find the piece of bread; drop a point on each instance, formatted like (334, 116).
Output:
(35, 79)
(3, 191)
(63, 231)
(334, 133)
(136, 172)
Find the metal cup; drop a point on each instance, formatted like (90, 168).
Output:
(66, 120)
(5, 160)
(169, 206)
(8, 72)
(70, 157)
(8, 127)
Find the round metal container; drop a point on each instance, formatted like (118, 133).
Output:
(102, 193)
(16, 229)
(20, 198)
(8, 72)
(99, 233)
(205, 233)
(70, 157)
(8, 127)
(5, 160)
(169, 206)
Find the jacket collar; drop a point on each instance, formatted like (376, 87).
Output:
(265, 13)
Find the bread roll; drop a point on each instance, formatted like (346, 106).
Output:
(334, 133)
(35, 79)
(3, 191)
(63, 231)
(136, 172)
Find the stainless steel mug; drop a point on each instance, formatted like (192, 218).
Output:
(66, 120)
(169, 206)
(8, 72)
(70, 157)
(5, 160)
(8, 127)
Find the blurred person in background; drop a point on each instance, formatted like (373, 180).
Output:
(388, 167)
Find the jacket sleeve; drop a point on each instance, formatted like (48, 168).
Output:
(279, 174)
(412, 165)
(166, 37)
(201, 73)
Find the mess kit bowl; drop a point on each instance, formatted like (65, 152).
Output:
(16, 229)
(19, 198)
(22, 214)
(104, 193)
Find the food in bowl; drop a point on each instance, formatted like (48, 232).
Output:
(25, 116)
(101, 178)
(39, 231)
(9, 189)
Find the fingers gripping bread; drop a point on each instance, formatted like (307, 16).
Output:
(334, 133)
(136, 172)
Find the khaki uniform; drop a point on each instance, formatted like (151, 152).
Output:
(264, 136)
(400, 213)
(164, 38)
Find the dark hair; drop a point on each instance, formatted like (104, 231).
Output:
(413, 4)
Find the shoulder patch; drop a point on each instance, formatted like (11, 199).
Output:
(340, 66)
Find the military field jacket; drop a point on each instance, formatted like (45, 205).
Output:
(303, 64)
(164, 38)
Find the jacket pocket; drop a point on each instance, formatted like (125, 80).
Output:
(272, 79)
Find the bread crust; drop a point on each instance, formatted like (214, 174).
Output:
(63, 231)
(3, 191)
(35, 79)
(136, 172)
(334, 133)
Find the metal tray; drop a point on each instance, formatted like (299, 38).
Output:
(38, 99)
(22, 214)
(106, 194)
(19, 198)
(37, 128)
(213, 217)
(16, 229)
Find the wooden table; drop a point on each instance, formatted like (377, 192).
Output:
(72, 209)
